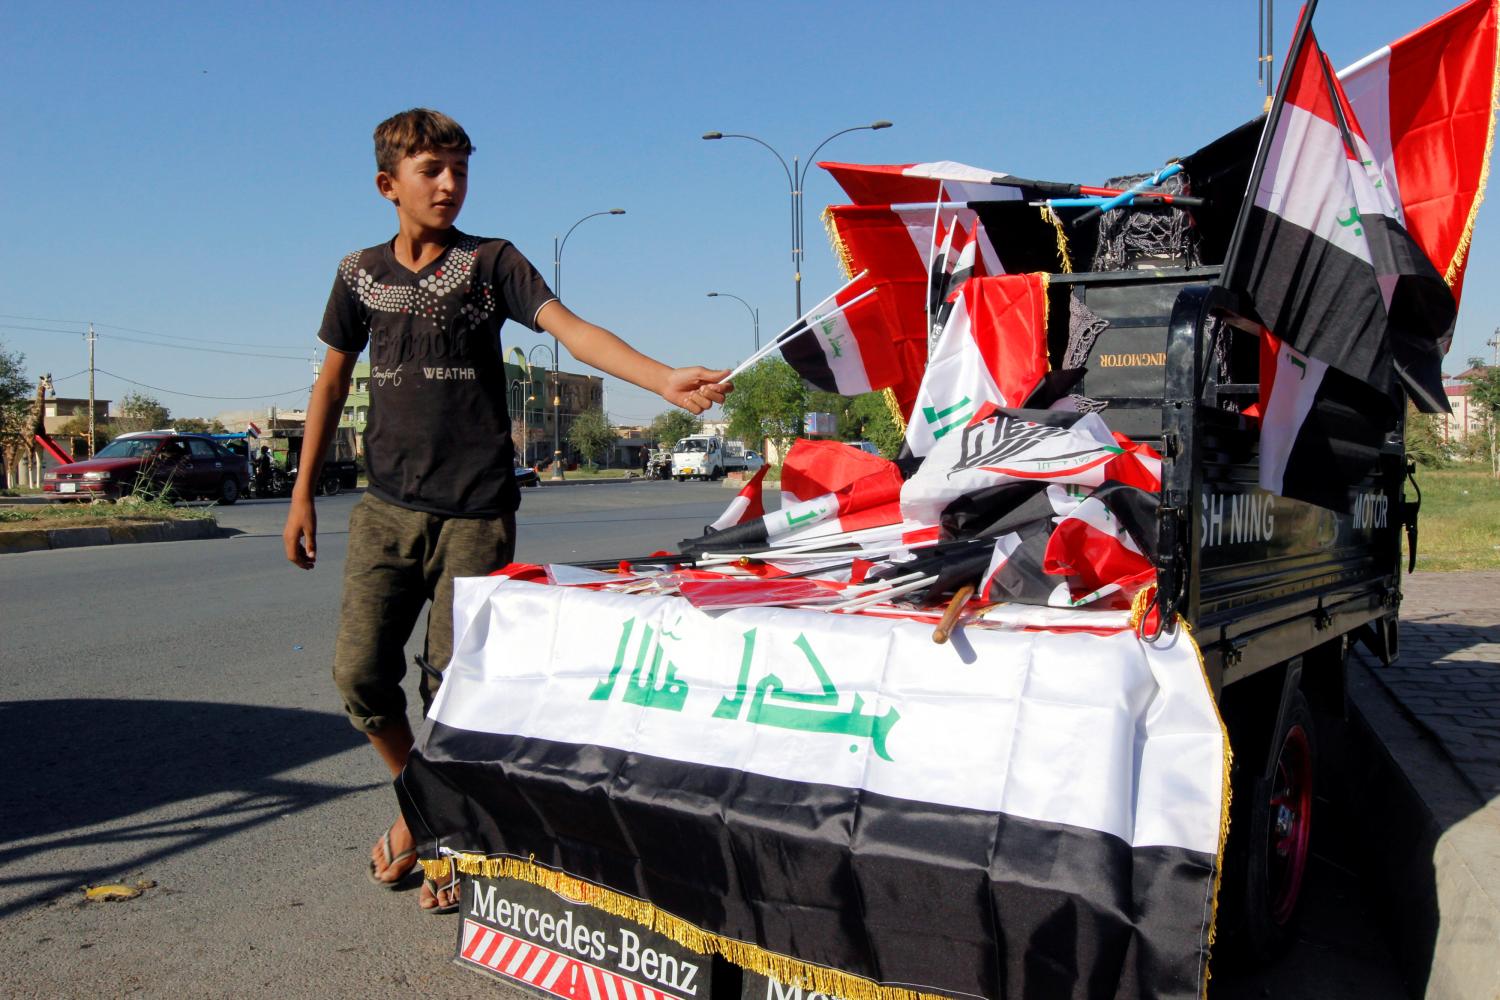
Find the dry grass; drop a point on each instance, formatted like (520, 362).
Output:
(92, 515)
(1459, 526)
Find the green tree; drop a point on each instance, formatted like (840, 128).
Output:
(199, 425)
(870, 420)
(15, 409)
(1484, 391)
(819, 401)
(592, 434)
(672, 426)
(140, 412)
(1424, 439)
(78, 427)
(769, 401)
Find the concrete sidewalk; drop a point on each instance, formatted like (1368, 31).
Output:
(1433, 823)
(1448, 674)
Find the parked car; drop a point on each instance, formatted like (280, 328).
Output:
(155, 462)
(526, 476)
(753, 461)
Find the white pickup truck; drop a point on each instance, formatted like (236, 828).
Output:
(708, 456)
(702, 456)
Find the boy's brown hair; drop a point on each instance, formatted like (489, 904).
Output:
(419, 130)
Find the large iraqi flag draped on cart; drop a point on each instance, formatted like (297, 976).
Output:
(835, 800)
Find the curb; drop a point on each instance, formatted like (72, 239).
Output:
(553, 483)
(37, 539)
(1434, 852)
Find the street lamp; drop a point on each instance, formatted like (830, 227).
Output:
(557, 249)
(524, 397)
(754, 312)
(531, 397)
(796, 174)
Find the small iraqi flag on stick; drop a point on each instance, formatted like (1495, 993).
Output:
(749, 505)
(844, 345)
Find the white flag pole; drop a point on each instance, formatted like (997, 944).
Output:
(799, 328)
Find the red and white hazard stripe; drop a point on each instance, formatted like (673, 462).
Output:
(561, 975)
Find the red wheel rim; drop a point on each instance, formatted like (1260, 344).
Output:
(1291, 824)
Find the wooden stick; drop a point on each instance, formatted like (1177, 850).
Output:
(950, 617)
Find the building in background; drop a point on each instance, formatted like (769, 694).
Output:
(66, 419)
(60, 410)
(629, 443)
(1467, 418)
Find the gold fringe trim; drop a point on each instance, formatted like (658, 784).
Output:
(811, 978)
(1046, 314)
(840, 248)
(894, 406)
(1139, 605)
(1461, 252)
(1049, 217)
(846, 267)
(1213, 918)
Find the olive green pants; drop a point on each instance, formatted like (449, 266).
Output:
(398, 560)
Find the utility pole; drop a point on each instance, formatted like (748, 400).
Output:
(92, 336)
(1266, 55)
(1494, 445)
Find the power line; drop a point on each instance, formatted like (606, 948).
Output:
(199, 395)
(131, 329)
(151, 343)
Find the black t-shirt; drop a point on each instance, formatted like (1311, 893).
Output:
(438, 434)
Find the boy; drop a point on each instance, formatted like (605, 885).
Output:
(442, 498)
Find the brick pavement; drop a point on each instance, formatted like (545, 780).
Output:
(1448, 674)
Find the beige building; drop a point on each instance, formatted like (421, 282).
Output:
(1467, 417)
(60, 411)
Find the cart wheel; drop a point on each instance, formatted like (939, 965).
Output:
(1276, 841)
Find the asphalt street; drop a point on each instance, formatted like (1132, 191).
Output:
(166, 715)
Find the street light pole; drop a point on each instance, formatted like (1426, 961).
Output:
(530, 382)
(754, 312)
(525, 387)
(796, 175)
(557, 249)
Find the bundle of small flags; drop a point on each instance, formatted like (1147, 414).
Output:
(1044, 509)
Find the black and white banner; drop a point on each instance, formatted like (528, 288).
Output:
(1019, 812)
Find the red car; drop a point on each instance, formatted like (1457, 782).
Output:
(155, 463)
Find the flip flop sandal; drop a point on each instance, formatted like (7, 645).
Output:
(392, 860)
(434, 888)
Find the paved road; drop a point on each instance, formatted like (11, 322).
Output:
(166, 714)
(1448, 673)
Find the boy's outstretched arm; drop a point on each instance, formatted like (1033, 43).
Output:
(323, 410)
(694, 389)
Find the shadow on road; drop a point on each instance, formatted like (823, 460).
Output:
(73, 765)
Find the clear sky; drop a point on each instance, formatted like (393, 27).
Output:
(187, 176)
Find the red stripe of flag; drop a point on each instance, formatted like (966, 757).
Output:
(1427, 102)
(1008, 314)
